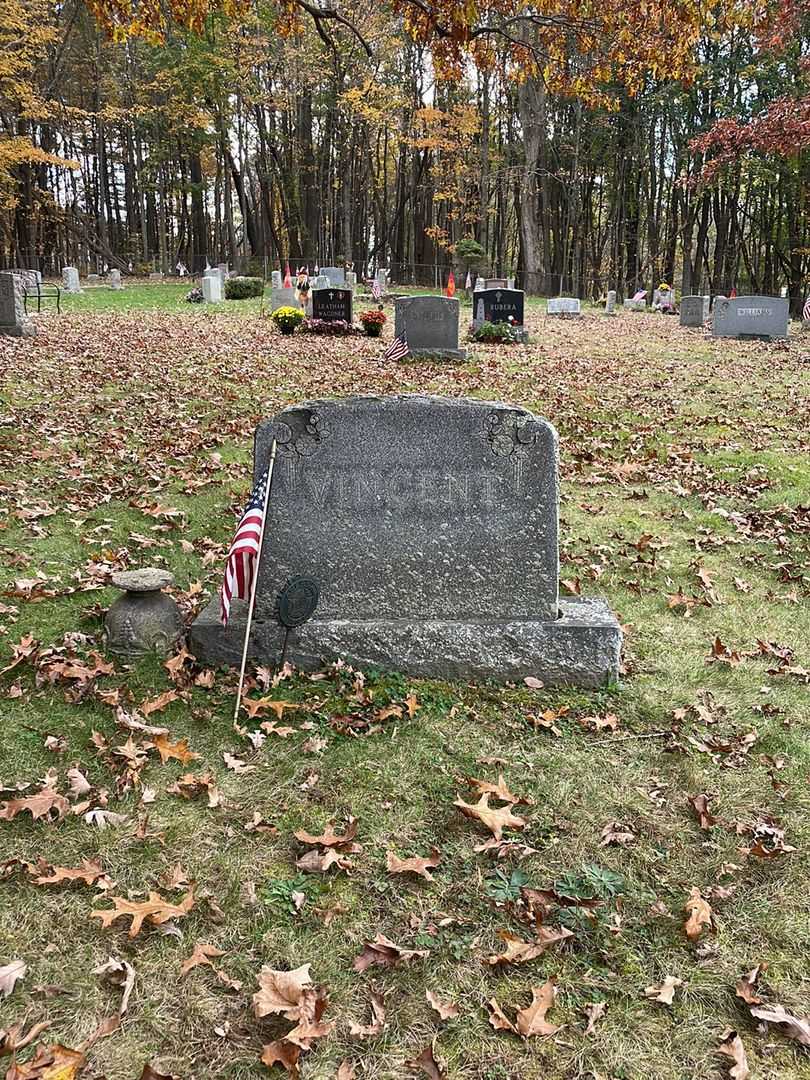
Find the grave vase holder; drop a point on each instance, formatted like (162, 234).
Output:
(144, 621)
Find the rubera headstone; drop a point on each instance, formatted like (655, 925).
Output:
(430, 526)
(501, 305)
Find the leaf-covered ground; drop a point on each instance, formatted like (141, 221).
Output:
(660, 854)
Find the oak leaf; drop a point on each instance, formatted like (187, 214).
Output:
(699, 915)
(384, 952)
(90, 872)
(595, 1011)
(519, 951)
(47, 803)
(52, 1063)
(416, 865)
(120, 974)
(700, 804)
(499, 790)
(168, 750)
(498, 1018)
(190, 785)
(202, 955)
(426, 1062)
(532, 1020)
(329, 838)
(318, 862)
(495, 820)
(155, 910)
(159, 703)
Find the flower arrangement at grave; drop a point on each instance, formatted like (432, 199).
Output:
(505, 333)
(287, 319)
(328, 327)
(373, 321)
(194, 296)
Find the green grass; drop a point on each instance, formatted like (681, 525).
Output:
(665, 434)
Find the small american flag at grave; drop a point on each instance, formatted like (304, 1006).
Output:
(240, 565)
(397, 349)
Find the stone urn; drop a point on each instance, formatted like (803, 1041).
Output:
(144, 620)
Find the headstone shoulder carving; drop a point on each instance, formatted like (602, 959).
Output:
(430, 526)
(430, 326)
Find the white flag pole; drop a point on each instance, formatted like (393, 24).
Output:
(255, 582)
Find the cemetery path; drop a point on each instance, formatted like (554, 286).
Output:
(125, 440)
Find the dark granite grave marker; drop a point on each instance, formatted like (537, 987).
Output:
(500, 304)
(332, 305)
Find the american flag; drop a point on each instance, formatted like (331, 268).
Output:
(806, 310)
(397, 349)
(376, 291)
(242, 554)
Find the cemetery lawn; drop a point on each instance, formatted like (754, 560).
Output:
(125, 440)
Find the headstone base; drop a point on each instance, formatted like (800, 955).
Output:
(635, 305)
(581, 648)
(437, 354)
(26, 328)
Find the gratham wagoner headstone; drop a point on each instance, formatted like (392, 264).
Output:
(431, 528)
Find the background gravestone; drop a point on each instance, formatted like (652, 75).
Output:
(276, 280)
(564, 305)
(430, 325)
(335, 275)
(114, 279)
(332, 305)
(283, 298)
(430, 526)
(635, 305)
(13, 320)
(499, 304)
(692, 310)
(751, 317)
(70, 279)
(212, 287)
(495, 283)
(610, 302)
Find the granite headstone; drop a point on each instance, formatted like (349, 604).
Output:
(495, 283)
(635, 305)
(431, 528)
(13, 320)
(114, 279)
(283, 298)
(70, 279)
(763, 318)
(276, 281)
(610, 302)
(430, 325)
(692, 310)
(501, 305)
(335, 275)
(212, 287)
(564, 305)
(332, 305)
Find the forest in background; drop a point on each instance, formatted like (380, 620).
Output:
(238, 142)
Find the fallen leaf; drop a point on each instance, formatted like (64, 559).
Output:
(202, 955)
(155, 910)
(498, 1018)
(120, 974)
(519, 951)
(10, 975)
(495, 820)
(329, 838)
(90, 872)
(236, 764)
(384, 952)
(282, 1053)
(665, 993)
(499, 790)
(731, 1046)
(52, 1063)
(746, 987)
(532, 1020)
(159, 703)
(364, 1031)
(416, 865)
(533, 683)
(793, 1027)
(700, 804)
(426, 1063)
(190, 785)
(595, 1011)
(318, 862)
(445, 1009)
(47, 803)
(615, 832)
(700, 915)
(345, 1071)
(179, 750)
(281, 992)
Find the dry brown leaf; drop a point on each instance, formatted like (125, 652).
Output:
(699, 915)
(498, 1018)
(17, 1038)
(155, 910)
(519, 951)
(665, 993)
(10, 975)
(364, 1031)
(746, 987)
(318, 862)
(237, 765)
(616, 832)
(159, 703)
(168, 750)
(426, 1063)
(329, 838)
(122, 975)
(700, 804)
(595, 1011)
(90, 872)
(495, 820)
(416, 865)
(49, 1063)
(202, 955)
(282, 1053)
(190, 785)
(499, 790)
(281, 992)
(345, 1071)
(731, 1046)
(149, 1073)
(793, 1027)
(47, 803)
(384, 952)
(532, 1020)
(445, 1009)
